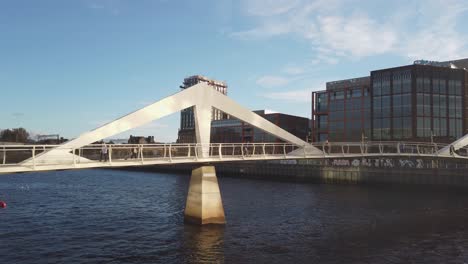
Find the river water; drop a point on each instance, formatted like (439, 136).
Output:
(109, 216)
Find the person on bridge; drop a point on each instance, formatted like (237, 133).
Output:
(246, 149)
(104, 154)
(134, 153)
(452, 150)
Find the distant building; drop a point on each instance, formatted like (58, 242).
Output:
(342, 112)
(141, 140)
(424, 101)
(50, 139)
(187, 121)
(236, 131)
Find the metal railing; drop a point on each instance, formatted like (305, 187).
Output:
(31, 154)
(387, 148)
(144, 154)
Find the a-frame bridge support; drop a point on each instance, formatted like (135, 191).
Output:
(204, 200)
(456, 145)
(202, 97)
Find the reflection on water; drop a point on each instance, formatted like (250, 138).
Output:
(105, 216)
(205, 243)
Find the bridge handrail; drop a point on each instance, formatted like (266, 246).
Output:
(252, 143)
(11, 155)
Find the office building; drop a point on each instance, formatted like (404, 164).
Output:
(236, 131)
(419, 102)
(341, 113)
(187, 121)
(424, 101)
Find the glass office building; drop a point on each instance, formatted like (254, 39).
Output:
(425, 101)
(341, 112)
(419, 102)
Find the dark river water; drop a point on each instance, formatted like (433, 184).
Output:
(105, 216)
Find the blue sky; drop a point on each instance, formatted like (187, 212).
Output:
(69, 66)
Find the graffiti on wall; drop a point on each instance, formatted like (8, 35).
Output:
(381, 163)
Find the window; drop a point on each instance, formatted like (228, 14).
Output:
(322, 121)
(356, 92)
(427, 85)
(322, 102)
(406, 82)
(338, 95)
(419, 85)
(386, 110)
(396, 82)
(420, 127)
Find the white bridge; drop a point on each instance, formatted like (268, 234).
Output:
(80, 153)
(204, 204)
(27, 158)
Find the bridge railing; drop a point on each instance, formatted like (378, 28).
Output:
(386, 148)
(143, 153)
(31, 155)
(14, 154)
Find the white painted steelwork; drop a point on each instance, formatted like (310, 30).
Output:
(456, 145)
(202, 97)
(120, 155)
(78, 153)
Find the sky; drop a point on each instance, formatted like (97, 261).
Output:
(67, 67)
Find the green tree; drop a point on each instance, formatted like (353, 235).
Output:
(14, 135)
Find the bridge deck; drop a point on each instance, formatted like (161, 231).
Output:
(163, 154)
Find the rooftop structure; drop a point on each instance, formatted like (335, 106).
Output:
(187, 122)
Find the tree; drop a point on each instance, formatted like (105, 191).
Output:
(14, 135)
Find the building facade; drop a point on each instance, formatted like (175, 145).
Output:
(341, 112)
(236, 131)
(425, 101)
(419, 102)
(187, 120)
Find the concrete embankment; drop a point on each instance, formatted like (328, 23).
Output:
(386, 171)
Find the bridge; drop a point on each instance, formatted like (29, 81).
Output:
(204, 201)
(29, 158)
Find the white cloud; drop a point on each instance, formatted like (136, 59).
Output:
(336, 29)
(270, 81)
(356, 36)
(269, 7)
(264, 31)
(439, 39)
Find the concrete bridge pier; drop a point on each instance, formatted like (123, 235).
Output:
(204, 204)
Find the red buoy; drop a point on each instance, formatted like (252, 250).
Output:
(3, 204)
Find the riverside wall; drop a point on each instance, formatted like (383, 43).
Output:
(387, 171)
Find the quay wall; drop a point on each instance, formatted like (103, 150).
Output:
(386, 171)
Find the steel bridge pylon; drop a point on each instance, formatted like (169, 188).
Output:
(204, 203)
(202, 97)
